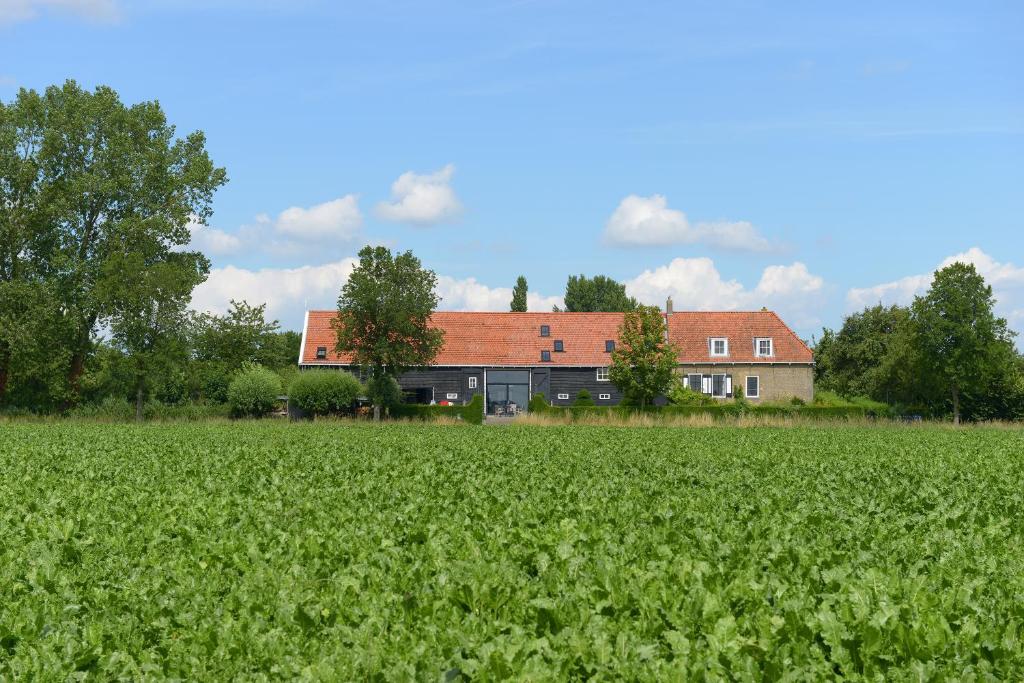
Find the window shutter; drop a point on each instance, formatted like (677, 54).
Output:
(728, 386)
(706, 384)
(686, 382)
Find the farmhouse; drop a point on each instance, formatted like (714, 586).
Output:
(509, 357)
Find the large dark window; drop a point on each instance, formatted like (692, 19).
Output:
(694, 382)
(508, 391)
(718, 385)
(508, 377)
(753, 387)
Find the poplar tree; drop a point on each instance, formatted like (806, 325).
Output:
(519, 296)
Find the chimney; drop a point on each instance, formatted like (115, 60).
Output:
(668, 306)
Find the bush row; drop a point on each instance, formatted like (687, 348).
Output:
(121, 410)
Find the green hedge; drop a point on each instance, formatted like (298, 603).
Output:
(472, 412)
(719, 411)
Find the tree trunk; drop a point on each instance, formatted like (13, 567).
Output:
(77, 368)
(956, 405)
(376, 413)
(139, 401)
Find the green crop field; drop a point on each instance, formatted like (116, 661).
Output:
(419, 552)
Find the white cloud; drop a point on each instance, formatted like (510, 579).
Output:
(470, 295)
(1006, 279)
(337, 219)
(12, 11)
(286, 291)
(696, 284)
(212, 241)
(647, 221)
(422, 199)
(290, 291)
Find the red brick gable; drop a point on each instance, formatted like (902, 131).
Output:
(513, 339)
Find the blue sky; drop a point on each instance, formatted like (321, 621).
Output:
(808, 157)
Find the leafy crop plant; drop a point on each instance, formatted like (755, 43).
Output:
(262, 551)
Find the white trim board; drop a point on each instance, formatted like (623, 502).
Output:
(305, 330)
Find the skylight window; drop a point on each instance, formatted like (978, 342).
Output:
(545, 330)
(559, 346)
(545, 356)
(321, 352)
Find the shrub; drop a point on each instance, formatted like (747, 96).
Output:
(253, 391)
(678, 395)
(538, 404)
(583, 399)
(322, 392)
(797, 401)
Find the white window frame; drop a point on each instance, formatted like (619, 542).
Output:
(606, 373)
(451, 396)
(604, 397)
(725, 346)
(746, 385)
(757, 347)
(563, 397)
(725, 382)
(472, 382)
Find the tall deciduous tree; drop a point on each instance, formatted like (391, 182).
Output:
(147, 305)
(104, 180)
(384, 316)
(643, 361)
(871, 355)
(599, 293)
(22, 289)
(963, 345)
(519, 296)
(242, 335)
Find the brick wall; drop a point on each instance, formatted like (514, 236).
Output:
(778, 382)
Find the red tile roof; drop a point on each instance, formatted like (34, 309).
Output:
(513, 339)
(691, 331)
